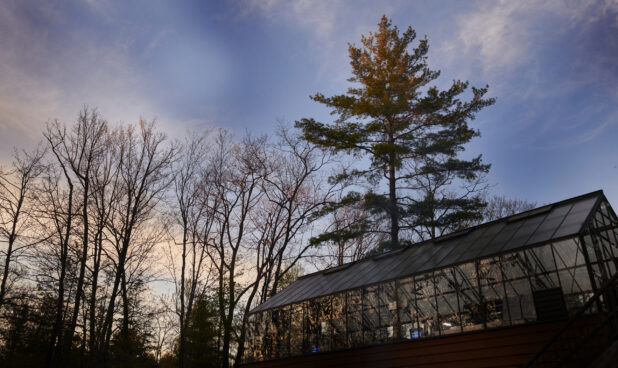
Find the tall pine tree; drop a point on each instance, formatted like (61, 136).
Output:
(411, 132)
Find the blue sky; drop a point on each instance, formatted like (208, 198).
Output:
(245, 65)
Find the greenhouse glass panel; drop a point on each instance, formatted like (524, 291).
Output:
(483, 243)
(258, 337)
(469, 297)
(518, 290)
(534, 266)
(460, 251)
(409, 260)
(296, 329)
(371, 320)
(503, 237)
(573, 273)
(408, 322)
(447, 299)
(318, 313)
(251, 345)
(493, 292)
(326, 324)
(272, 333)
(599, 250)
(576, 287)
(603, 230)
(553, 220)
(576, 218)
(387, 305)
(542, 268)
(338, 322)
(311, 329)
(520, 238)
(283, 331)
(568, 253)
(426, 305)
(355, 318)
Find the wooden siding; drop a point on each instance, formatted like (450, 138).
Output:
(506, 347)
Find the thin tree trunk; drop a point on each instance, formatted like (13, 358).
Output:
(243, 331)
(82, 269)
(9, 251)
(181, 347)
(109, 316)
(125, 307)
(93, 295)
(57, 328)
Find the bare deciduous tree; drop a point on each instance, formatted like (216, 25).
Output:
(237, 174)
(57, 209)
(354, 240)
(499, 206)
(16, 187)
(143, 161)
(193, 215)
(78, 149)
(249, 205)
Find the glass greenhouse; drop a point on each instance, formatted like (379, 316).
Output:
(536, 266)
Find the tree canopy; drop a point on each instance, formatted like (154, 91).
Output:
(412, 134)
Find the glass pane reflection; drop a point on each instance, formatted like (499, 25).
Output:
(426, 305)
(487, 293)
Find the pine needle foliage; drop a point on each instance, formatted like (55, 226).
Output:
(411, 132)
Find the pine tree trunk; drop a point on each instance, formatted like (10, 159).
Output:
(393, 202)
(392, 190)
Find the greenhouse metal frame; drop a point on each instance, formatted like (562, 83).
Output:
(536, 266)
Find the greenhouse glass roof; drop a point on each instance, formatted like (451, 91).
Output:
(541, 225)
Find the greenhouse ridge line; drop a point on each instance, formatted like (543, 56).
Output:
(548, 223)
(458, 233)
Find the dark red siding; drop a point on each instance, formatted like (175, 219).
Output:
(508, 347)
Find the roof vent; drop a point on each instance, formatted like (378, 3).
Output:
(336, 269)
(534, 212)
(452, 235)
(388, 254)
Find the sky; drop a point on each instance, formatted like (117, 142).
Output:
(249, 65)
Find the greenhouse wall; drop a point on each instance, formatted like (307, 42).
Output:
(506, 290)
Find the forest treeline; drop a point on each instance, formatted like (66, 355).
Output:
(122, 247)
(101, 217)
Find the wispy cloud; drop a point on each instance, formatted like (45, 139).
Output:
(504, 34)
(328, 26)
(319, 17)
(496, 34)
(554, 66)
(50, 73)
